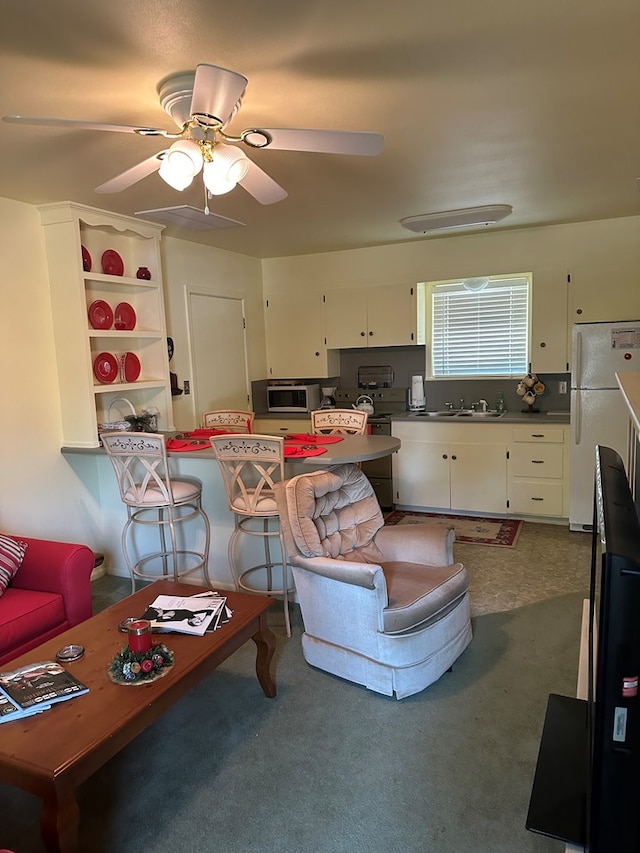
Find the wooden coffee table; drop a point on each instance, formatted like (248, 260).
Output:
(52, 753)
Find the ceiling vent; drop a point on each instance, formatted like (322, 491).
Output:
(186, 216)
(449, 220)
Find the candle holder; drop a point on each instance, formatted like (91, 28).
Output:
(139, 632)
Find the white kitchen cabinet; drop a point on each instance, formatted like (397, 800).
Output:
(550, 339)
(447, 466)
(295, 340)
(379, 316)
(538, 471)
(281, 426)
(605, 293)
(85, 400)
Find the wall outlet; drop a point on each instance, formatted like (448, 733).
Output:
(187, 386)
(562, 387)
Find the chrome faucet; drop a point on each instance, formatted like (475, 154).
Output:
(484, 405)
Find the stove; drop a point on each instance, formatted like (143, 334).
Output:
(386, 402)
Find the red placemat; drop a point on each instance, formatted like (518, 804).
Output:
(300, 451)
(312, 438)
(187, 444)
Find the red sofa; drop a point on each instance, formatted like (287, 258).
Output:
(50, 593)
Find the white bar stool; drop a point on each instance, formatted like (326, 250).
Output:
(250, 465)
(154, 498)
(235, 419)
(339, 421)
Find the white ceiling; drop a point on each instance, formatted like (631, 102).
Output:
(534, 104)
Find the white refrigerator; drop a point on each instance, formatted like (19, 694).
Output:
(598, 412)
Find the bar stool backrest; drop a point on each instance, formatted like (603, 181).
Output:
(234, 419)
(250, 465)
(140, 463)
(339, 421)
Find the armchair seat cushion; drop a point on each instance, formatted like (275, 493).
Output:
(419, 595)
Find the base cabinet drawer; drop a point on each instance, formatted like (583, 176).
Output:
(536, 460)
(535, 497)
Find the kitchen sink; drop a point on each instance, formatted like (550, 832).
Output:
(460, 413)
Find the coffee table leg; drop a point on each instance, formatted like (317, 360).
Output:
(59, 822)
(265, 640)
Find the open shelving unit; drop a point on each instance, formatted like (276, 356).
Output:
(86, 402)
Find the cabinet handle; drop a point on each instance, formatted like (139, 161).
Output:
(444, 456)
(538, 461)
(537, 435)
(537, 499)
(453, 457)
(362, 334)
(371, 334)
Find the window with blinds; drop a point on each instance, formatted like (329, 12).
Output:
(479, 327)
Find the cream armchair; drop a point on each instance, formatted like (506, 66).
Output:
(385, 607)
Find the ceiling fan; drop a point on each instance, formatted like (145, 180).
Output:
(202, 103)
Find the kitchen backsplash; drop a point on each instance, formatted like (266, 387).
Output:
(406, 361)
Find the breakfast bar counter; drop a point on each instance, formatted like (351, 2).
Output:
(353, 448)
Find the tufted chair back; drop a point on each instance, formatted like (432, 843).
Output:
(337, 515)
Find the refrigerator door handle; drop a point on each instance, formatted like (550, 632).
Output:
(577, 418)
(578, 360)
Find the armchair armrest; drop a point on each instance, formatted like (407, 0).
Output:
(61, 567)
(368, 575)
(430, 544)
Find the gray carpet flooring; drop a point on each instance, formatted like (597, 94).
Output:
(329, 767)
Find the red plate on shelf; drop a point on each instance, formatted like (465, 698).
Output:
(124, 316)
(105, 367)
(130, 366)
(86, 259)
(112, 263)
(100, 314)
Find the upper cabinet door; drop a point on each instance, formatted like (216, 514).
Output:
(295, 344)
(391, 315)
(380, 316)
(549, 321)
(605, 293)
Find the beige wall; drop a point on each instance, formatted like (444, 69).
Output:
(218, 272)
(43, 494)
(607, 243)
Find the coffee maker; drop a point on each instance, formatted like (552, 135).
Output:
(328, 398)
(417, 398)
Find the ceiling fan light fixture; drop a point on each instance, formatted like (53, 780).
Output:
(449, 220)
(174, 177)
(215, 182)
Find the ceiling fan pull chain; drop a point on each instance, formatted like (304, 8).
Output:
(206, 202)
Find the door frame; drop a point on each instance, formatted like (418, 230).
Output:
(191, 290)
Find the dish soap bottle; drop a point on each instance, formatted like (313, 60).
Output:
(501, 406)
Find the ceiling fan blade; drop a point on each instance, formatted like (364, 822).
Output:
(263, 188)
(216, 91)
(325, 141)
(136, 173)
(74, 124)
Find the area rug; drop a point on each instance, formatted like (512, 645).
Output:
(498, 532)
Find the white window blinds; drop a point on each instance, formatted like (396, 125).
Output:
(480, 327)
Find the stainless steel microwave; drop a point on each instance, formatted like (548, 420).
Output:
(293, 398)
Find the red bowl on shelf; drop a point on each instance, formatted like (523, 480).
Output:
(129, 367)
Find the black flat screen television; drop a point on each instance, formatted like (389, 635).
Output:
(587, 781)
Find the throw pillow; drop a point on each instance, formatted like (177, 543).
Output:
(11, 556)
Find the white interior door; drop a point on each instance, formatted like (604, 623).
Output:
(218, 351)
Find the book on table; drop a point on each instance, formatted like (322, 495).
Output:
(194, 614)
(36, 687)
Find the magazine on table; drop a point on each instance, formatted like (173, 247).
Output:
(185, 615)
(35, 687)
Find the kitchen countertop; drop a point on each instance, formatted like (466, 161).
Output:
(546, 418)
